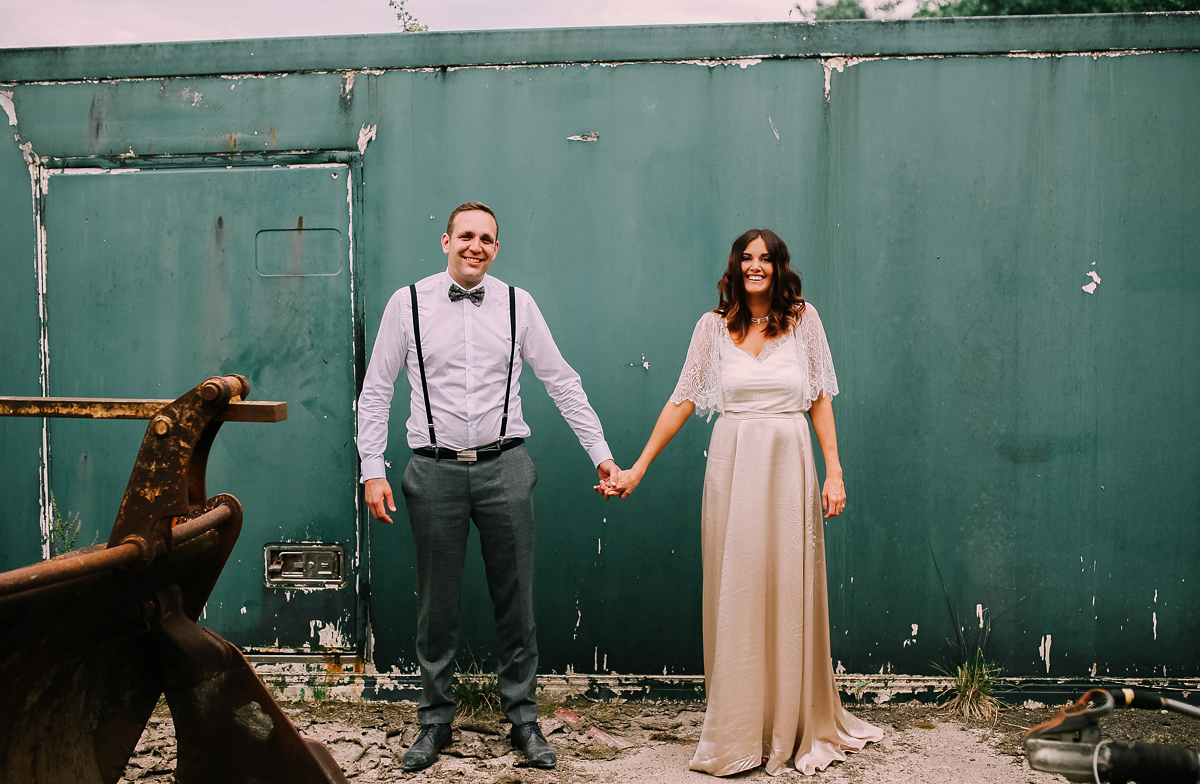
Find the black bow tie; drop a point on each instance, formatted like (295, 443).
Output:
(458, 292)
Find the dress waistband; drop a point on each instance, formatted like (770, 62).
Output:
(757, 415)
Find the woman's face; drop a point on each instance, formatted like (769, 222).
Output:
(757, 268)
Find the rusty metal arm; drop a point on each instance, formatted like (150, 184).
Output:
(130, 408)
(88, 563)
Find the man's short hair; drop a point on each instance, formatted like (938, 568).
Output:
(472, 206)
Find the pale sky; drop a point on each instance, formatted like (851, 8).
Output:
(76, 22)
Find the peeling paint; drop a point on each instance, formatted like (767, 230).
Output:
(329, 635)
(365, 136)
(830, 63)
(586, 136)
(6, 103)
(740, 62)
(194, 97)
(1154, 622)
(39, 184)
(1044, 652)
(1090, 288)
(1093, 55)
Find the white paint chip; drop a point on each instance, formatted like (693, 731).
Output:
(586, 136)
(1044, 651)
(773, 129)
(979, 614)
(1090, 288)
(365, 136)
(1154, 622)
(6, 103)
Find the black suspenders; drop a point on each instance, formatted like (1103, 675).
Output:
(421, 362)
(512, 352)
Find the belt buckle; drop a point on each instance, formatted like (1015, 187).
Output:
(467, 456)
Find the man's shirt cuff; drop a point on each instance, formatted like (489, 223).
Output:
(374, 468)
(599, 453)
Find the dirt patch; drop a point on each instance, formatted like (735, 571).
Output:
(922, 744)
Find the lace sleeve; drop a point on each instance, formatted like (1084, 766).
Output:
(814, 353)
(700, 379)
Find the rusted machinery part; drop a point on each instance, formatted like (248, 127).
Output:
(130, 408)
(102, 559)
(227, 726)
(167, 481)
(81, 671)
(84, 655)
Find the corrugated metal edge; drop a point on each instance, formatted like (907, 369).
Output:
(905, 37)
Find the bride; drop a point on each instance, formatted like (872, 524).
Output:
(762, 361)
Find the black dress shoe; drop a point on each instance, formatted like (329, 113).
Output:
(424, 751)
(530, 741)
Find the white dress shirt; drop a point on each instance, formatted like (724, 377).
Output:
(466, 350)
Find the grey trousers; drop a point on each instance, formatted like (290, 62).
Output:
(443, 498)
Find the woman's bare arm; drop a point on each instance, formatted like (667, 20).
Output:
(833, 494)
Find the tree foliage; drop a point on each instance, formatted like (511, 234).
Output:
(840, 9)
(408, 22)
(941, 8)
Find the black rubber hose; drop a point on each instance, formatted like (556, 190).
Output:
(1152, 763)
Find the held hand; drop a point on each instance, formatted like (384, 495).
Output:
(379, 499)
(627, 481)
(833, 497)
(607, 471)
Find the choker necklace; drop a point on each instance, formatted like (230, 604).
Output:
(762, 320)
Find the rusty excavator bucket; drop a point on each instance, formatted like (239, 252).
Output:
(90, 640)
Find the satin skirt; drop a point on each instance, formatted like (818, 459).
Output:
(767, 665)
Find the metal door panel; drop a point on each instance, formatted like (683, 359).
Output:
(158, 278)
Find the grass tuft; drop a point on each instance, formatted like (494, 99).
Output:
(974, 675)
(63, 532)
(477, 692)
(974, 681)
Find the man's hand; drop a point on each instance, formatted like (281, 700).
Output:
(379, 499)
(608, 472)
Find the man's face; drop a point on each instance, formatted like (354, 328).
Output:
(471, 247)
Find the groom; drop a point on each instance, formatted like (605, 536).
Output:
(461, 337)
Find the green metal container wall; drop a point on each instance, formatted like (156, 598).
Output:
(947, 188)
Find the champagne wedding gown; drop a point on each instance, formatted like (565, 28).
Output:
(767, 666)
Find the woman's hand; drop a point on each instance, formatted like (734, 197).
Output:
(833, 496)
(627, 481)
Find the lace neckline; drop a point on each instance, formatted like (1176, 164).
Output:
(769, 347)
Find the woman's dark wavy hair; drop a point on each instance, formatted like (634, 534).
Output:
(786, 303)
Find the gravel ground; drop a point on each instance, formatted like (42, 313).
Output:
(922, 744)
